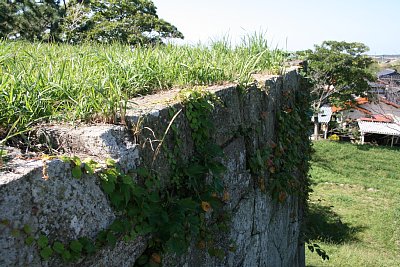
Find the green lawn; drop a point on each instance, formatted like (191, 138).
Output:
(355, 206)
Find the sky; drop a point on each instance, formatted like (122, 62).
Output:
(289, 24)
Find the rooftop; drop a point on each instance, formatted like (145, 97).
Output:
(379, 127)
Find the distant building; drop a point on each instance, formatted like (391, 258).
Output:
(389, 77)
(374, 119)
(377, 121)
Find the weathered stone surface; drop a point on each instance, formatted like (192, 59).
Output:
(124, 254)
(227, 116)
(266, 233)
(99, 141)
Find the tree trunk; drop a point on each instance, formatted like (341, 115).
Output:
(316, 128)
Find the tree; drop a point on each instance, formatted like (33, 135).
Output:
(31, 20)
(127, 21)
(337, 71)
(74, 21)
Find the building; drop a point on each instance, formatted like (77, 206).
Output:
(389, 77)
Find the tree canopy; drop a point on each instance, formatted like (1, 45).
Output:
(337, 71)
(127, 21)
(29, 19)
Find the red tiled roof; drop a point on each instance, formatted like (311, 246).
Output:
(378, 118)
(389, 103)
(359, 101)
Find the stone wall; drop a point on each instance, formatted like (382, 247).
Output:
(266, 233)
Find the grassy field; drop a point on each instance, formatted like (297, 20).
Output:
(355, 206)
(63, 82)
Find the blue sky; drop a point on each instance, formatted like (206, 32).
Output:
(291, 24)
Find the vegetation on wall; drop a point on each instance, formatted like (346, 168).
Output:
(285, 160)
(49, 82)
(188, 211)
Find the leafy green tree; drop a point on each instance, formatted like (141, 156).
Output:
(127, 21)
(337, 71)
(31, 20)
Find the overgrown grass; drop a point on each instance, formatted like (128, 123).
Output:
(355, 206)
(63, 82)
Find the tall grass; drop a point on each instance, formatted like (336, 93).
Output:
(41, 82)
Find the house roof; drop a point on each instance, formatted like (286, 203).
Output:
(378, 118)
(359, 101)
(377, 85)
(389, 103)
(370, 109)
(379, 128)
(386, 72)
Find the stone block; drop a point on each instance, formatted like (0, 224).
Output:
(227, 116)
(97, 141)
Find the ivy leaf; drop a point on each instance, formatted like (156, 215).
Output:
(58, 247)
(90, 248)
(217, 168)
(219, 253)
(143, 229)
(43, 241)
(143, 260)
(117, 226)
(111, 239)
(46, 253)
(133, 234)
(76, 246)
(138, 191)
(88, 245)
(154, 197)
(27, 229)
(66, 255)
(116, 199)
(110, 163)
(177, 246)
(101, 236)
(29, 240)
(195, 169)
(77, 172)
(15, 233)
(77, 161)
(65, 159)
(88, 169)
(90, 165)
(126, 179)
(5, 222)
(187, 204)
(127, 194)
(108, 187)
(142, 172)
(110, 175)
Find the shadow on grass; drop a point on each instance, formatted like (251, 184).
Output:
(326, 225)
(367, 147)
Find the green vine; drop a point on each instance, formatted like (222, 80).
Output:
(190, 208)
(173, 217)
(286, 159)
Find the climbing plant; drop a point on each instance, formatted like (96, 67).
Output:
(172, 217)
(189, 210)
(285, 159)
